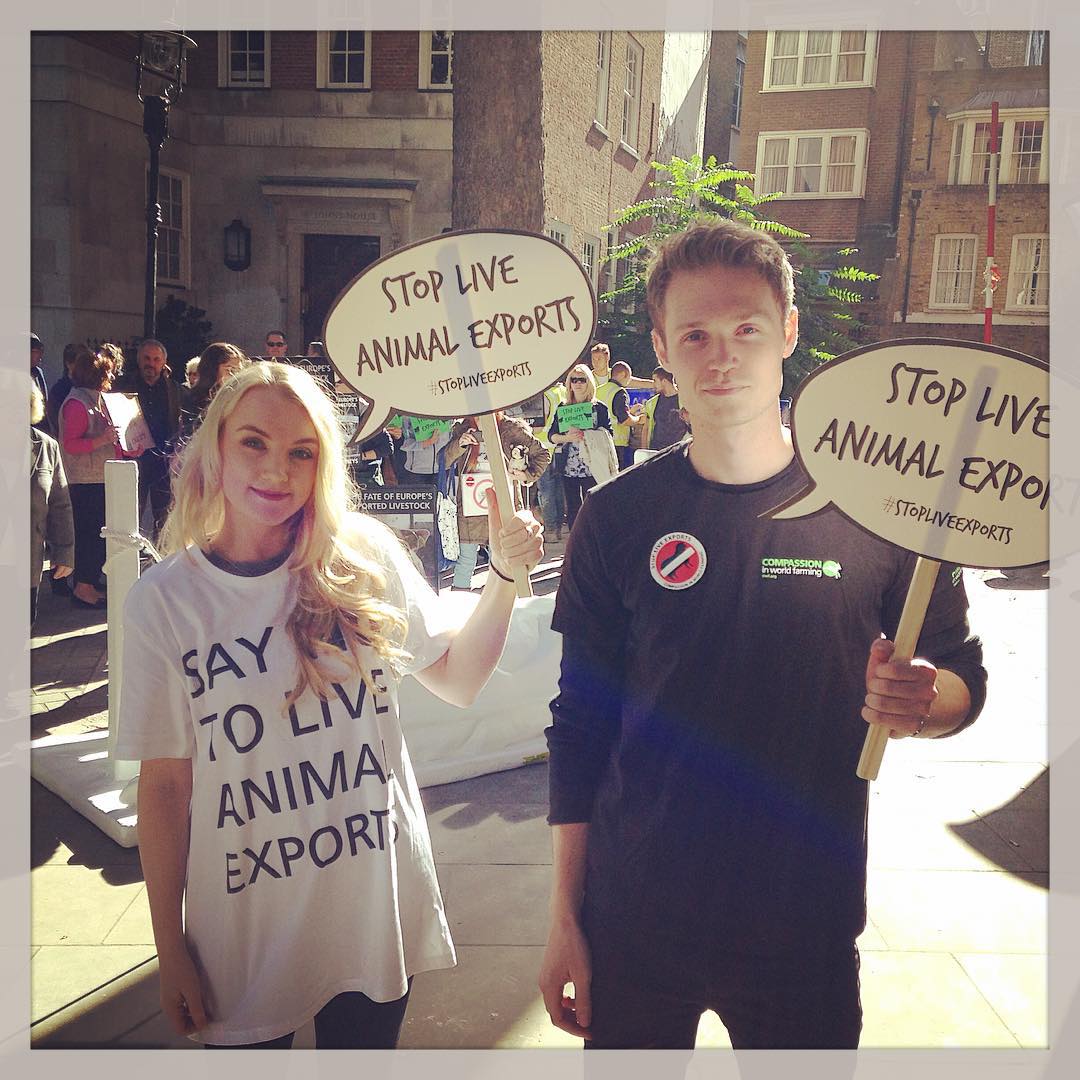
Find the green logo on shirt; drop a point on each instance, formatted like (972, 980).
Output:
(774, 568)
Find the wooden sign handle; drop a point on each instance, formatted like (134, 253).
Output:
(489, 429)
(907, 637)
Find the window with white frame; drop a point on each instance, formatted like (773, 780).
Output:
(590, 257)
(344, 59)
(244, 58)
(1025, 155)
(635, 57)
(740, 71)
(608, 276)
(1029, 273)
(812, 164)
(813, 59)
(560, 232)
(172, 242)
(603, 76)
(952, 280)
(436, 60)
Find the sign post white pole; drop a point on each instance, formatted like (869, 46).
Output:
(122, 571)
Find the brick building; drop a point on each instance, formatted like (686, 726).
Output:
(907, 113)
(935, 284)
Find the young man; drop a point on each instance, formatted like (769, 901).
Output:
(663, 413)
(708, 826)
(613, 394)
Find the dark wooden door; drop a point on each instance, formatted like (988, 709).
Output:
(330, 263)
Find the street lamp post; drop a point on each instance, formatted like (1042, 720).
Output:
(158, 82)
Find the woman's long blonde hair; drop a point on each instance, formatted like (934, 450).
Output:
(341, 579)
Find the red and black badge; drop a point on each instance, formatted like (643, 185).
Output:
(677, 561)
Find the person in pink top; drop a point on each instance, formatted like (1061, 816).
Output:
(88, 439)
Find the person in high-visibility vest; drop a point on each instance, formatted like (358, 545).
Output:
(549, 488)
(613, 394)
(663, 417)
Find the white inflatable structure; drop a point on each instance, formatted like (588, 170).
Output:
(504, 728)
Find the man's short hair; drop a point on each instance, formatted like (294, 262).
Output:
(718, 243)
(153, 343)
(663, 373)
(280, 333)
(600, 347)
(621, 365)
(71, 350)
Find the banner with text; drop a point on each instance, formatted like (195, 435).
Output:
(461, 324)
(941, 447)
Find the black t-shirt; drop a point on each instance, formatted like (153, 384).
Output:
(668, 426)
(710, 733)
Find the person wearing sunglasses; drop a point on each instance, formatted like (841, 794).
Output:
(589, 449)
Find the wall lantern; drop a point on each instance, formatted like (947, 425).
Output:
(237, 245)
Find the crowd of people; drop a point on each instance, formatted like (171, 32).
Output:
(562, 461)
(709, 829)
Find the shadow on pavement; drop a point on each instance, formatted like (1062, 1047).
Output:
(55, 825)
(1023, 823)
(514, 796)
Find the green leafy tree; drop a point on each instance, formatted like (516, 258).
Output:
(828, 289)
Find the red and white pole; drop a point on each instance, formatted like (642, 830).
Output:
(990, 274)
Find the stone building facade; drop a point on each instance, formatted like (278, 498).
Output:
(331, 150)
(334, 148)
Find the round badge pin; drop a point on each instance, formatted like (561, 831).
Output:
(677, 561)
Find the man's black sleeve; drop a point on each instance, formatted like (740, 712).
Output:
(620, 405)
(946, 639)
(586, 713)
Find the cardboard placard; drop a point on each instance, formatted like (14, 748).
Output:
(126, 413)
(460, 325)
(940, 447)
(410, 512)
(580, 415)
(423, 427)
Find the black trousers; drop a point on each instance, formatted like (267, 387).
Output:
(777, 1003)
(154, 484)
(88, 512)
(350, 1021)
(575, 488)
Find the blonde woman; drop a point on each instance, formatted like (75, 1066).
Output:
(262, 658)
(590, 456)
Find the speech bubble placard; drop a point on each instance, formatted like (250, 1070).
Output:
(940, 447)
(461, 324)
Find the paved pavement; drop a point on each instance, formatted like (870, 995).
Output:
(954, 954)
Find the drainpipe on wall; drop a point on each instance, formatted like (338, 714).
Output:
(913, 202)
(902, 142)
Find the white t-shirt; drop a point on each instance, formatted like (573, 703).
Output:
(309, 866)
